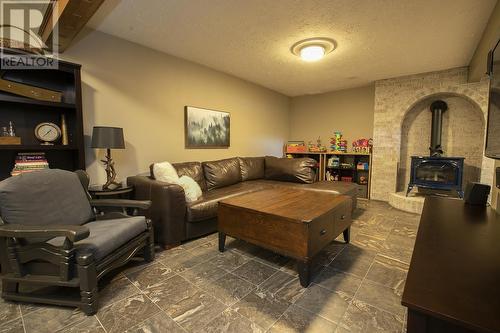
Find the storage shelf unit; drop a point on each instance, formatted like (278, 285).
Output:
(354, 158)
(27, 112)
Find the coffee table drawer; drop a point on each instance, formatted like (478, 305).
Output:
(272, 232)
(342, 217)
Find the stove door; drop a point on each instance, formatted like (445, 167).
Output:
(436, 174)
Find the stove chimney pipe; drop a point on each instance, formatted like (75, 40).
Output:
(437, 109)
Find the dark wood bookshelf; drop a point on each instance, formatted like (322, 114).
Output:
(37, 147)
(26, 113)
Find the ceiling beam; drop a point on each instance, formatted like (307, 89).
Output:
(71, 18)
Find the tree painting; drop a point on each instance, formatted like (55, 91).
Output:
(206, 128)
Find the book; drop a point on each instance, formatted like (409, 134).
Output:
(29, 162)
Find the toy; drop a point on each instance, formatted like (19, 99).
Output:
(316, 148)
(296, 147)
(362, 166)
(337, 143)
(333, 162)
(363, 180)
(362, 146)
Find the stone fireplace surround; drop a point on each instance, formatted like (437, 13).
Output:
(399, 119)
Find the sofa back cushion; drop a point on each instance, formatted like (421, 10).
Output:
(222, 173)
(47, 197)
(193, 170)
(252, 168)
(296, 170)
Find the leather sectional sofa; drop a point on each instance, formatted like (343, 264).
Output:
(176, 220)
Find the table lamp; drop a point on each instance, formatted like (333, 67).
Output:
(108, 138)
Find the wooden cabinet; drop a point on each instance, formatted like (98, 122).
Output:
(453, 280)
(347, 168)
(26, 113)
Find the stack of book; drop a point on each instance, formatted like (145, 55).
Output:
(29, 162)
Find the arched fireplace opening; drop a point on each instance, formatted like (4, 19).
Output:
(458, 132)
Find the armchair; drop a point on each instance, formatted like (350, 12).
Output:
(53, 234)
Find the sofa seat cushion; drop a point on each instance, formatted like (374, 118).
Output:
(107, 235)
(222, 173)
(206, 206)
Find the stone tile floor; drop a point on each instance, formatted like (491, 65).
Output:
(194, 288)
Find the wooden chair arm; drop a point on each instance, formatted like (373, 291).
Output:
(72, 232)
(121, 203)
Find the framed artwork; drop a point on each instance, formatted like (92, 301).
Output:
(204, 128)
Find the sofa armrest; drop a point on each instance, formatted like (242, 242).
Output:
(74, 233)
(168, 208)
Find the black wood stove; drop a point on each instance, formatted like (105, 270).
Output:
(435, 171)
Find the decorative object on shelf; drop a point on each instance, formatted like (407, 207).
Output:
(204, 128)
(318, 147)
(47, 133)
(333, 162)
(363, 180)
(26, 90)
(12, 131)
(108, 138)
(332, 176)
(337, 143)
(362, 146)
(29, 162)
(362, 166)
(8, 135)
(347, 166)
(296, 147)
(64, 131)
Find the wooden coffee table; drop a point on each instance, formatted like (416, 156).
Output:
(291, 222)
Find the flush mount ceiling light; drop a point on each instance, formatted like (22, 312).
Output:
(313, 49)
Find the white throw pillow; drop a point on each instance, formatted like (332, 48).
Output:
(165, 172)
(192, 190)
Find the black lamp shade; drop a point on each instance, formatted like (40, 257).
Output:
(107, 137)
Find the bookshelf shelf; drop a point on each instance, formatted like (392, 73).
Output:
(34, 102)
(37, 147)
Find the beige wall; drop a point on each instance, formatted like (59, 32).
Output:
(477, 68)
(477, 65)
(349, 111)
(145, 91)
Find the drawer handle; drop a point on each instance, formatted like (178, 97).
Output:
(342, 217)
(322, 232)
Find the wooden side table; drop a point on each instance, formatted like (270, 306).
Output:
(121, 192)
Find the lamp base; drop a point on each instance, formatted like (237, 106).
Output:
(110, 171)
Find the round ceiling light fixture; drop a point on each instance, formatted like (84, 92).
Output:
(313, 49)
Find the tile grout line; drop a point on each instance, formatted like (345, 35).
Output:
(22, 318)
(379, 284)
(354, 296)
(105, 330)
(316, 314)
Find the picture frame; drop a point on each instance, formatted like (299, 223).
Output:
(206, 128)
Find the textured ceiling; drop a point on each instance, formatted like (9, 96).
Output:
(251, 39)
